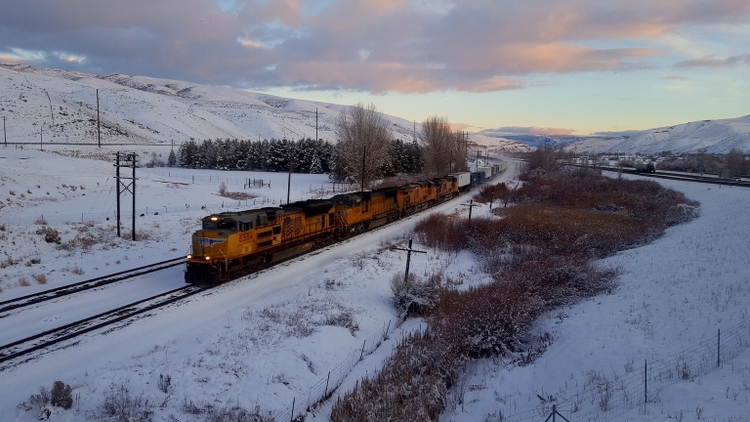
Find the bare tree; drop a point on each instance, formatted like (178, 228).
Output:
(736, 162)
(444, 150)
(364, 138)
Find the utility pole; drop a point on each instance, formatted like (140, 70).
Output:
(408, 258)
(362, 181)
(98, 125)
(41, 147)
(5, 136)
(471, 205)
(316, 124)
(130, 160)
(289, 178)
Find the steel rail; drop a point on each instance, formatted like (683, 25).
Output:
(68, 289)
(66, 332)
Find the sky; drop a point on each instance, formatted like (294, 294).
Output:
(545, 67)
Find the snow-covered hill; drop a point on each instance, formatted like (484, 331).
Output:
(58, 106)
(713, 136)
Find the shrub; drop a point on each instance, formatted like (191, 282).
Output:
(412, 385)
(40, 278)
(120, 406)
(50, 235)
(441, 231)
(9, 262)
(165, 382)
(412, 296)
(228, 413)
(61, 395)
(539, 253)
(496, 193)
(40, 400)
(23, 282)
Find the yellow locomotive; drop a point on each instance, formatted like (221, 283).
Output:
(231, 244)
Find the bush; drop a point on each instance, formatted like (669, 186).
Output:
(442, 231)
(229, 413)
(539, 253)
(120, 406)
(50, 235)
(412, 385)
(413, 297)
(61, 395)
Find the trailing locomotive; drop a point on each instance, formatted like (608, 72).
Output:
(231, 244)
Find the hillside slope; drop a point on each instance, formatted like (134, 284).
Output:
(58, 106)
(713, 136)
(48, 105)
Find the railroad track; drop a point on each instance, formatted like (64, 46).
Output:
(21, 351)
(69, 289)
(687, 177)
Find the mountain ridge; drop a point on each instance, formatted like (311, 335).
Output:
(60, 106)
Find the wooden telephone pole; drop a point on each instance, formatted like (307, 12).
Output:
(408, 258)
(129, 160)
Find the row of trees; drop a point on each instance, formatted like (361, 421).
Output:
(736, 160)
(366, 151)
(307, 155)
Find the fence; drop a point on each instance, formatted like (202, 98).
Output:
(327, 385)
(603, 399)
(126, 212)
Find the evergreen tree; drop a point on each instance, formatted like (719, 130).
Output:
(316, 167)
(172, 160)
(189, 154)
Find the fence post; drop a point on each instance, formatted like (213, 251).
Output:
(326, 390)
(362, 353)
(718, 349)
(645, 381)
(291, 419)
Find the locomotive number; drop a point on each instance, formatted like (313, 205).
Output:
(246, 237)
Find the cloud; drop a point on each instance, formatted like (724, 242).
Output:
(712, 61)
(676, 78)
(376, 46)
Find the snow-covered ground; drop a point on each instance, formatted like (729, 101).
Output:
(267, 339)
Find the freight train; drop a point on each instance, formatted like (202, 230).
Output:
(232, 244)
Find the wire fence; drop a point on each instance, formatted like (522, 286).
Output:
(327, 385)
(605, 399)
(126, 214)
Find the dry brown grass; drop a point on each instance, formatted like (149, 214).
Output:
(40, 278)
(540, 255)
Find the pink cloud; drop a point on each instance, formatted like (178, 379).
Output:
(369, 45)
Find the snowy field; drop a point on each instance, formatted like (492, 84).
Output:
(266, 340)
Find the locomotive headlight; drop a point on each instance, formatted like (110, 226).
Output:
(190, 256)
(214, 218)
(208, 258)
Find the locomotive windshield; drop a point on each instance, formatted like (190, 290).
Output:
(215, 223)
